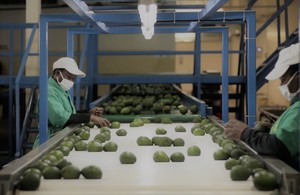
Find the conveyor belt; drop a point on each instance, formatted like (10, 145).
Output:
(197, 175)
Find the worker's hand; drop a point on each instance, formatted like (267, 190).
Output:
(234, 129)
(99, 121)
(98, 111)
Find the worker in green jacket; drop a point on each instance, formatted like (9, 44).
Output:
(61, 110)
(283, 139)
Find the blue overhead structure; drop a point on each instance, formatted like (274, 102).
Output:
(167, 22)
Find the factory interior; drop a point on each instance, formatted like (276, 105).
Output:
(153, 66)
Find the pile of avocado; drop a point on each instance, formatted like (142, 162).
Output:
(146, 99)
(53, 165)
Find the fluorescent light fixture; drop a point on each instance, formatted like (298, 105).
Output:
(148, 12)
(148, 32)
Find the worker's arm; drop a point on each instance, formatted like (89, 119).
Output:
(261, 141)
(86, 117)
(265, 143)
(78, 118)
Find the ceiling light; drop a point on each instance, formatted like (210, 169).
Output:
(148, 12)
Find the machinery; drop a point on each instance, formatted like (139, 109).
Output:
(196, 175)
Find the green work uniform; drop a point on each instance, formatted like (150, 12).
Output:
(60, 108)
(286, 128)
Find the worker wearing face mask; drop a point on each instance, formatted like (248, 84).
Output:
(61, 110)
(283, 139)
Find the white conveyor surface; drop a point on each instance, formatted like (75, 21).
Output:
(196, 175)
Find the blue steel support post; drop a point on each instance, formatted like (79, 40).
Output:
(70, 53)
(197, 69)
(278, 24)
(81, 61)
(225, 75)
(43, 85)
(92, 64)
(22, 42)
(197, 61)
(251, 68)
(286, 22)
(10, 92)
(17, 90)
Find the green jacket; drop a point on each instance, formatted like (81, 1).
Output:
(60, 106)
(286, 128)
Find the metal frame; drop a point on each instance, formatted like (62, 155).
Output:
(16, 82)
(20, 81)
(84, 11)
(247, 17)
(196, 77)
(17, 90)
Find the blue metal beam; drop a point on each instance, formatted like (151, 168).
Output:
(70, 53)
(10, 92)
(197, 63)
(169, 17)
(81, 61)
(43, 81)
(82, 9)
(24, 81)
(225, 101)
(6, 26)
(123, 18)
(166, 78)
(134, 7)
(251, 69)
(211, 7)
(92, 65)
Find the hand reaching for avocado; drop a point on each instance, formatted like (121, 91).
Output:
(99, 121)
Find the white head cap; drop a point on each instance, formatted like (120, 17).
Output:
(287, 57)
(68, 64)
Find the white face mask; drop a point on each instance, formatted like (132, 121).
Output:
(65, 83)
(285, 89)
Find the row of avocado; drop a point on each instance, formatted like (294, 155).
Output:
(239, 161)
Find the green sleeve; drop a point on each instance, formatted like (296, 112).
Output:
(288, 129)
(58, 115)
